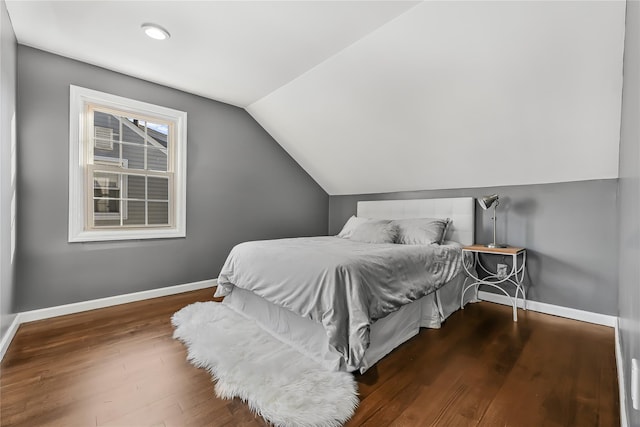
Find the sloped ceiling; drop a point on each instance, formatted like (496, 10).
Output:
(231, 51)
(383, 95)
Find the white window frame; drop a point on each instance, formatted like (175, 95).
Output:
(81, 194)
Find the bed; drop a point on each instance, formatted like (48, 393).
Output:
(346, 303)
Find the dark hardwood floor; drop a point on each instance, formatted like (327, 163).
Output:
(119, 366)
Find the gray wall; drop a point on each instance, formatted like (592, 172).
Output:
(7, 187)
(241, 185)
(629, 199)
(571, 241)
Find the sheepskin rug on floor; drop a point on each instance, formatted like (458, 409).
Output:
(276, 381)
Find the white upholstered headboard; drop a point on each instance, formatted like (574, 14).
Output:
(460, 209)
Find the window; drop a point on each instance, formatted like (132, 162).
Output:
(127, 168)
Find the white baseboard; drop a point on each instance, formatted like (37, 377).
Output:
(556, 310)
(621, 382)
(61, 310)
(8, 336)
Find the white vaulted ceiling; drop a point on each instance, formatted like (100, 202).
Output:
(375, 96)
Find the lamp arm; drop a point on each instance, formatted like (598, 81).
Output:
(486, 202)
(494, 223)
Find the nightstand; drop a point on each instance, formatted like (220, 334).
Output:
(501, 281)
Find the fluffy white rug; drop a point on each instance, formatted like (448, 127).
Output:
(277, 382)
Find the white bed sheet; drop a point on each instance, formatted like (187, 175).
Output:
(310, 338)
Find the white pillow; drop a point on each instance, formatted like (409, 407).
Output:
(369, 230)
(351, 224)
(375, 231)
(421, 231)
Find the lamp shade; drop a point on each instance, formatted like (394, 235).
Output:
(486, 201)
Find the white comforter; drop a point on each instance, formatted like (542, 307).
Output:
(343, 284)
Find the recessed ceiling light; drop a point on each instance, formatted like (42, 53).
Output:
(155, 31)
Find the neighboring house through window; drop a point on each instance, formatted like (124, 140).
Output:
(127, 168)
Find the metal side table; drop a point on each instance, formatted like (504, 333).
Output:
(513, 277)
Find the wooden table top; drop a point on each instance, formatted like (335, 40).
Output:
(509, 250)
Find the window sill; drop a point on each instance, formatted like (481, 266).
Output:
(112, 235)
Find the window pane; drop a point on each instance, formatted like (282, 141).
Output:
(132, 131)
(159, 213)
(110, 157)
(106, 208)
(106, 121)
(135, 187)
(156, 159)
(158, 137)
(135, 213)
(134, 156)
(106, 185)
(158, 131)
(107, 157)
(106, 128)
(158, 188)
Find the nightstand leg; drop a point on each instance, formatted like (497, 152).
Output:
(521, 281)
(472, 277)
(515, 296)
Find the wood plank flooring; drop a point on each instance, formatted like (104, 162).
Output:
(119, 366)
